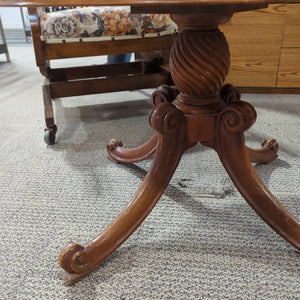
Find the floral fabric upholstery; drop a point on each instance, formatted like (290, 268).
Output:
(94, 23)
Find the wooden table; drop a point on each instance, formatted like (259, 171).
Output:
(201, 110)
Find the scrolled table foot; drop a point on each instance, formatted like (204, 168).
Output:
(266, 154)
(232, 121)
(229, 94)
(69, 261)
(169, 122)
(163, 94)
(118, 154)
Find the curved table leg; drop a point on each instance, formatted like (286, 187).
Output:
(163, 94)
(117, 153)
(230, 145)
(266, 154)
(77, 260)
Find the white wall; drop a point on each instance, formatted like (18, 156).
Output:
(11, 17)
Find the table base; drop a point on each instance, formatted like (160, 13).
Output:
(201, 110)
(173, 136)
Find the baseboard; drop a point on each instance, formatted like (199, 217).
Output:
(269, 90)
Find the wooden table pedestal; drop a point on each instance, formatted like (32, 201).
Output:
(199, 109)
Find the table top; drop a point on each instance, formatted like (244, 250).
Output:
(182, 7)
(138, 3)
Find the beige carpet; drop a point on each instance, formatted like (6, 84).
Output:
(201, 241)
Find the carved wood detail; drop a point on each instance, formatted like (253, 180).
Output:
(199, 63)
(77, 260)
(230, 145)
(266, 154)
(204, 111)
(115, 151)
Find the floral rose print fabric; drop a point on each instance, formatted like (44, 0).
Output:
(103, 22)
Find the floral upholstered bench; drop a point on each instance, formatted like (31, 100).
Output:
(94, 23)
(95, 31)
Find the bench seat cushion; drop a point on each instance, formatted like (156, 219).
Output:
(94, 23)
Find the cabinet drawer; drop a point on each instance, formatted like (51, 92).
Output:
(289, 69)
(254, 40)
(291, 36)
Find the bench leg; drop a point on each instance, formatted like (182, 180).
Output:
(50, 130)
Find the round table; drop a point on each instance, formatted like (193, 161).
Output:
(198, 109)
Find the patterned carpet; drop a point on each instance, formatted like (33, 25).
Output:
(201, 241)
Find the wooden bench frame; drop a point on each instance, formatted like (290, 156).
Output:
(85, 80)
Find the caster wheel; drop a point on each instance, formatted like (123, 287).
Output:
(49, 136)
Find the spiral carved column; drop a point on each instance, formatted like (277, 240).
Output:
(200, 60)
(199, 64)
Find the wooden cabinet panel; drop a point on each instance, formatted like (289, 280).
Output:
(289, 70)
(291, 37)
(254, 59)
(265, 49)
(255, 42)
(261, 16)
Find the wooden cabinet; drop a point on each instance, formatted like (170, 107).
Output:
(289, 67)
(265, 49)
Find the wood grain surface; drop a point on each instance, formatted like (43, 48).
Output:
(255, 43)
(289, 70)
(144, 3)
(291, 37)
